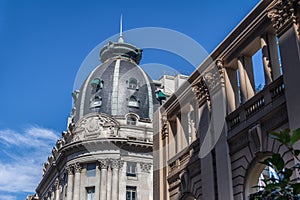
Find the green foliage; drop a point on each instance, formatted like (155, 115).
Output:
(282, 187)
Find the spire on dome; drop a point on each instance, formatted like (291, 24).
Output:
(121, 40)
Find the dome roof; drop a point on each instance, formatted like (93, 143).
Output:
(118, 86)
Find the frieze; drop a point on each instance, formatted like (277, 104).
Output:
(95, 126)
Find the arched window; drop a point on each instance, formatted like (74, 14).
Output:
(96, 102)
(96, 84)
(132, 84)
(258, 174)
(133, 102)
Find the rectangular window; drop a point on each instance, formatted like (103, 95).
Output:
(91, 169)
(90, 193)
(130, 193)
(131, 169)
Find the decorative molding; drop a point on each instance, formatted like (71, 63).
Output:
(145, 167)
(69, 169)
(201, 91)
(255, 137)
(283, 14)
(95, 125)
(56, 184)
(103, 164)
(164, 130)
(116, 164)
(77, 168)
(221, 69)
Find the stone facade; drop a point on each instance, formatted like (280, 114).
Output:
(106, 151)
(195, 157)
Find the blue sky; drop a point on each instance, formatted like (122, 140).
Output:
(42, 45)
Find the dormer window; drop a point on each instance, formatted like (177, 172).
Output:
(96, 102)
(133, 102)
(132, 84)
(131, 119)
(96, 84)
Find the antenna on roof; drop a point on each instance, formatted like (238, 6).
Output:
(121, 40)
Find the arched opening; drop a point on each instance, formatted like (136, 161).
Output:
(132, 84)
(133, 102)
(256, 176)
(96, 84)
(131, 119)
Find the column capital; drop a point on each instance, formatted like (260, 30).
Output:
(69, 169)
(200, 91)
(145, 167)
(283, 14)
(56, 184)
(115, 164)
(77, 167)
(103, 163)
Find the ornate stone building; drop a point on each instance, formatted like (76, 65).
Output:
(106, 151)
(211, 134)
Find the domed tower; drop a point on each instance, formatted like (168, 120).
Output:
(118, 86)
(106, 152)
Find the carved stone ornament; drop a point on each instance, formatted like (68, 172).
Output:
(69, 169)
(145, 167)
(201, 91)
(164, 130)
(77, 167)
(95, 125)
(103, 164)
(56, 184)
(115, 164)
(283, 13)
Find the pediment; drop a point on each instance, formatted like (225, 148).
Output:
(95, 125)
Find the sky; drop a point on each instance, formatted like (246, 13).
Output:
(43, 43)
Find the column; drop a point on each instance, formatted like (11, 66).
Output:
(171, 139)
(266, 59)
(185, 129)
(246, 78)
(103, 186)
(52, 193)
(178, 134)
(57, 191)
(97, 183)
(115, 179)
(273, 55)
(289, 42)
(70, 182)
(76, 192)
(193, 122)
(108, 183)
(231, 87)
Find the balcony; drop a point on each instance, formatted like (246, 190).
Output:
(270, 98)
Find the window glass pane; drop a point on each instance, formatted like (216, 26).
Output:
(131, 168)
(130, 193)
(90, 193)
(91, 169)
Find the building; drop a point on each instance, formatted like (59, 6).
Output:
(106, 151)
(210, 135)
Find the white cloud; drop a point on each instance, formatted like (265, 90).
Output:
(8, 197)
(22, 158)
